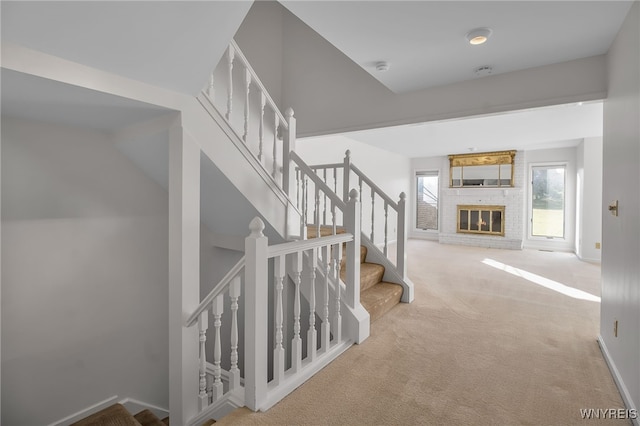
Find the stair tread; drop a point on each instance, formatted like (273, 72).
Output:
(380, 298)
(147, 418)
(370, 275)
(114, 415)
(166, 421)
(324, 231)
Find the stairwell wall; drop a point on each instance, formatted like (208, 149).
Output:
(85, 309)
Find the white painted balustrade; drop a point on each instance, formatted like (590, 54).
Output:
(304, 270)
(241, 99)
(385, 220)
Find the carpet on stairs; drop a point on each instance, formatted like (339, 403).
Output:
(117, 415)
(377, 296)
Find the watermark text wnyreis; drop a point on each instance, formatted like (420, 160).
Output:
(608, 413)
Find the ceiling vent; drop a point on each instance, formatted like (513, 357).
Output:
(483, 70)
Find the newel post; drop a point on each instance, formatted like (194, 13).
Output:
(345, 176)
(288, 145)
(256, 317)
(352, 223)
(401, 262)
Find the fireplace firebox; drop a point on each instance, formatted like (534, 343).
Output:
(481, 220)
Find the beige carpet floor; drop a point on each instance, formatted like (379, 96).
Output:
(478, 346)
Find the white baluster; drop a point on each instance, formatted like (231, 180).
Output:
(230, 56)
(324, 212)
(263, 101)
(360, 192)
(335, 180)
(312, 335)
(334, 223)
(210, 88)
(306, 200)
(316, 212)
(234, 371)
(401, 255)
(345, 175)
(278, 351)
(386, 214)
(217, 308)
(275, 145)
(373, 205)
(296, 342)
(325, 327)
(337, 322)
(298, 188)
(203, 324)
(247, 82)
(303, 219)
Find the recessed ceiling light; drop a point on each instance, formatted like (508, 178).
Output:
(479, 35)
(382, 66)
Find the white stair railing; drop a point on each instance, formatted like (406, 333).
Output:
(313, 268)
(383, 219)
(242, 100)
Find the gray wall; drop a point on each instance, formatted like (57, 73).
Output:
(85, 279)
(621, 234)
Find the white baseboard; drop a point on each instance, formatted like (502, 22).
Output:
(86, 412)
(622, 388)
(135, 406)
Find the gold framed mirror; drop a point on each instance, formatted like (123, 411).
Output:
(482, 170)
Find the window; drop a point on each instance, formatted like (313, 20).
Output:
(427, 200)
(547, 201)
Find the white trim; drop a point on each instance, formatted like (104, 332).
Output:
(622, 388)
(134, 407)
(561, 241)
(293, 381)
(85, 412)
(414, 200)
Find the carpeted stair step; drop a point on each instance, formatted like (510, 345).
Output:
(370, 275)
(380, 298)
(147, 418)
(166, 421)
(325, 231)
(114, 415)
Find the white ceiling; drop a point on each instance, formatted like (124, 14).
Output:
(550, 127)
(425, 45)
(34, 98)
(170, 44)
(422, 40)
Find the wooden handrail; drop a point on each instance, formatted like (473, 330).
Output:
(215, 292)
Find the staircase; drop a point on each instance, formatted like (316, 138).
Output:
(300, 303)
(377, 296)
(117, 415)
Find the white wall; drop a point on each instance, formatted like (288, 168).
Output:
(85, 279)
(559, 156)
(621, 234)
(260, 38)
(390, 171)
(589, 199)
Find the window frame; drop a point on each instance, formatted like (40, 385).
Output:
(547, 165)
(426, 173)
